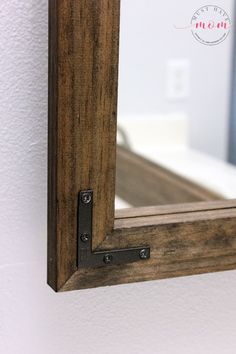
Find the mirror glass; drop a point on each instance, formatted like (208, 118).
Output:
(176, 138)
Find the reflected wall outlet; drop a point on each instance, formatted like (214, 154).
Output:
(178, 79)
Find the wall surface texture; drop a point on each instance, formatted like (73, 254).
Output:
(194, 315)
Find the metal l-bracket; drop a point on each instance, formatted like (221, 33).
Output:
(86, 257)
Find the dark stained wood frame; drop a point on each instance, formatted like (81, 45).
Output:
(83, 74)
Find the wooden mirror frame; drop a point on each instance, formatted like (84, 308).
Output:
(184, 239)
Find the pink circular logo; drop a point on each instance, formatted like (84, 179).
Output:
(210, 25)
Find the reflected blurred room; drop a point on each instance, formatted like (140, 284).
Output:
(176, 138)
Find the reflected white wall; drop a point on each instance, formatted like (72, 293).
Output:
(149, 40)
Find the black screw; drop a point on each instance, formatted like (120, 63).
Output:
(86, 198)
(84, 238)
(108, 258)
(144, 254)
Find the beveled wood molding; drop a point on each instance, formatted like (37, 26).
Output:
(83, 73)
(200, 240)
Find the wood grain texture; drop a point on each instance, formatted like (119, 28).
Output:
(52, 271)
(184, 239)
(83, 70)
(141, 182)
(181, 244)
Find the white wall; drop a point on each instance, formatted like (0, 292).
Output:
(185, 315)
(148, 40)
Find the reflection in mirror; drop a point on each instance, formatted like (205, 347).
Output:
(176, 116)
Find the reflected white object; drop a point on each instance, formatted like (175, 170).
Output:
(178, 79)
(165, 142)
(209, 172)
(155, 130)
(121, 204)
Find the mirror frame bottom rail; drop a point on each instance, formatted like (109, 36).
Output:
(185, 239)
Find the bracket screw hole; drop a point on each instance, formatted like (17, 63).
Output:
(84, 238)
(108, 258)
(144, 254)
(86, 198)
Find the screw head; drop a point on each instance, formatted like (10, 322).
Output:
(84, 237)
(144, 254)
(86, 197)
(108, 258)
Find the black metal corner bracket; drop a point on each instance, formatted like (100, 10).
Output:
(86, 257)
